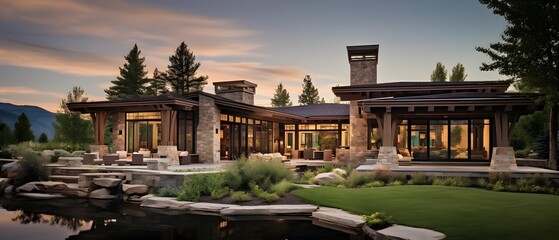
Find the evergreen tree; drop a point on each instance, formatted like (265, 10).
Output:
(43, 138)
(310, 93)
(157, 85)
(22, 129)
(281, 97)
(439, 74)
(529, 53)
(6, 135)
(458, 73)
(181, 74)
(69, 126)
(132, 80)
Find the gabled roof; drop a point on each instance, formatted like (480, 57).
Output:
(325, 110)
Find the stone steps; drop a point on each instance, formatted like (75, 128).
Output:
(64, 178)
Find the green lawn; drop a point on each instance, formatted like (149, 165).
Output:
(460, 213)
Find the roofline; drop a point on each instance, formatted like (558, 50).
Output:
(420, 86)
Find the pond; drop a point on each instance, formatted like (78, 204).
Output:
(66, 218)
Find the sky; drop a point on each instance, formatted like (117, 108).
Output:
(48, 47)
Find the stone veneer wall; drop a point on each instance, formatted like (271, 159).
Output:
(239, 96)
(118, 124)
(358, 128)
(207, 141)
(363, 72)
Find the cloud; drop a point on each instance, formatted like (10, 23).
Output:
(127, 22)
(30, 96)
(57, 59)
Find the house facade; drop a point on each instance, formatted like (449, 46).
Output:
(449, 121)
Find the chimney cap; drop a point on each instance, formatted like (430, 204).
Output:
(235, 83)
(363, 53)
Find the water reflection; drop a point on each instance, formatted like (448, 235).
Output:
(98, 219)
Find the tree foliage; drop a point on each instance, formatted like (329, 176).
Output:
(6, 135)
(181, 74)
(132, 80)
(529, 52)
(157, 85)
(22, 129)
(309, 94)
(69, 126)
(281, 97)
(43, 138)
(439, 74)
(458, 73)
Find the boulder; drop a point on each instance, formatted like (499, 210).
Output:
(246, 210)
(134, 198)
(4, 182)
(147, 196)
(165, 202)
(339, 217)
(405, 232)
(340, 172)
(12, 170)
(107, 182)
(9, 189)
(325, 178)
(210, 207)
(46, 186)
(135, 189)
(101, 193)
(47, 154)
(303, 209)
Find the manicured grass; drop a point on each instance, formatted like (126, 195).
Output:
(460, 213)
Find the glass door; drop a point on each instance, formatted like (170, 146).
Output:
(419, 140)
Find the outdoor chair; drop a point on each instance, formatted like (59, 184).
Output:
(110, 159)
(122, 154)
(184, 158)
(89, 158)
(308, 154)
(138, 158)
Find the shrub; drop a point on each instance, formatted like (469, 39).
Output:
(220, 193)
(326, 169)
(77, 153)
(263, 173)
(521, 153)
(399, 177)
(396, 183)
(418, 178)
(451, 181)
(200, 184)
(504, 177)
(482, 182)
(282, 187)
(540, 180)
(382, 175)
(499, 186)
(357, 179)
(168, 191)
(233, 179)
(189, 194)
(378, 220)
(540, 189)
(240, 196)
(375, 184)
(32, 167)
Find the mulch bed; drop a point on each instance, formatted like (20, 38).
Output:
(287, 199)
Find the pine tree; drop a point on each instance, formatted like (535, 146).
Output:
(439, 74)
(6, 135)
(181, 74)
(76, 95)
(22, 129)
(458, 73)
(43, 138)
(157, 85)
(310, 93)
(132, 80)
(281, 97)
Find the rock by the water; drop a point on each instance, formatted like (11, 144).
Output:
(12, 170)
(40, 195)
(147, 196)
(9, 189)
(340, 172)
(4, 182)
(43, 186)
(329, 177)
(303, 209)
(338, 217)
(210, 207)
(107, 182)
(101, 193)
(246, 210)
(135, 189)
(405, 232)
(165, 202)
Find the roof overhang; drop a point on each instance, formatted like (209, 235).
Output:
(134, 105)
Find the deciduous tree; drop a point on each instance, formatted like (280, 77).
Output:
(458, 74)
(70, 126)
(529, 52)
(439, 74)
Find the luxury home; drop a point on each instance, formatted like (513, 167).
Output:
(431, 121)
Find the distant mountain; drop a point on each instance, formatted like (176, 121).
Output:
(41, 119)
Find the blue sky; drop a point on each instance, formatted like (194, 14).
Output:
(47, 47)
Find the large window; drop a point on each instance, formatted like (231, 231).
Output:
(316, 136)
(242, 136)
(186, 131)
(457, 139)
(143, 131)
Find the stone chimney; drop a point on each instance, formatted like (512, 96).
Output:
(237, 90)
(363, 62)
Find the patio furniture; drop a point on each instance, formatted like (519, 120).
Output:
(157, 163)
(89, 158)
(123, 162)
(318, 155)
(110, 159)
(297, 154)
(70, 161)
(404, 157)
(308, 154)
(138, 159)
(146, 153)
(122, 154)
(327, 155)
(184, 158)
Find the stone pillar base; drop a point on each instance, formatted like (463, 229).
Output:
(387, 158)
(503, 159)
(170, 152)
(101, 149)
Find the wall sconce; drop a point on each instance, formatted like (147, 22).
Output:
(216, 131)
(120, 132)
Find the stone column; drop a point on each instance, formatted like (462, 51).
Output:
(358, 130)
(387, 158)
(207, 132)
(118, 131)
(503, 159)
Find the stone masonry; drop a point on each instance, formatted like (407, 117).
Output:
(207, 142)
(118, 125)
(358, 129)
(363, 72)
